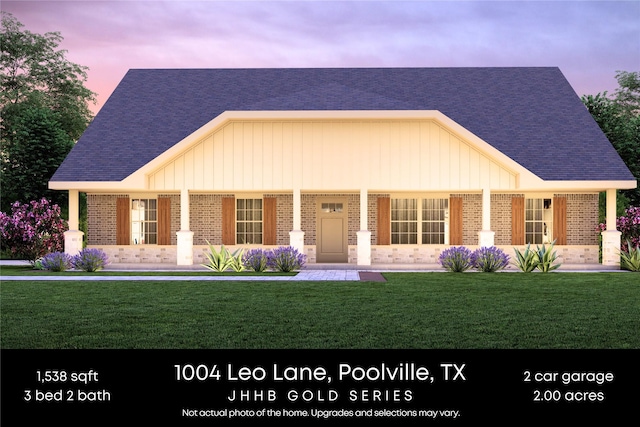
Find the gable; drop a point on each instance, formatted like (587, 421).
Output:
(332, 154)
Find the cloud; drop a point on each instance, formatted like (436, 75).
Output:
(589, 41)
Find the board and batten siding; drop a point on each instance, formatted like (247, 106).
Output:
(337, 155)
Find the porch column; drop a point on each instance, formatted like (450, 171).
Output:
(611, 237)
(486, 236)
(73, 236)
(185, 235)
(364, 235)
(296, 236)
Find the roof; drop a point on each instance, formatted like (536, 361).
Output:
(532, 115)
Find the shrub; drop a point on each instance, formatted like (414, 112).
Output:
(90, 260)
(456, 259)
(32, 230)
(630, 259)
(37, 264)
(235, 262)
(546, 258)
(489, 259)
(222, 260)
(57, 261)
(526, 261)
(542, 258)
(285, 259)
(256, 259)
(629, 226)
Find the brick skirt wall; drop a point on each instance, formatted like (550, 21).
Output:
(417, 254)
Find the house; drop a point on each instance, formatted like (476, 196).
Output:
(349, 165)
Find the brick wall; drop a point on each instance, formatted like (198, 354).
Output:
(582, 218)
(284, 217)
(205, 218)
(101, 219)
(372, 216)
(471, 217)
(175, 215)
(308, 218)
(501, 217)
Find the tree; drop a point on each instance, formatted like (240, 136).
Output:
(44, 110)
(627, 96)
(40, 145)
(619, 119)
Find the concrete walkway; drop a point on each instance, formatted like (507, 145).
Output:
(315, 272)
(329, 275)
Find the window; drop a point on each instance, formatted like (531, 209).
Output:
(430, 221)
(538, 217)
(249, 221)
(433, 221)
(332, 207)
(404, 221)
(144, 221)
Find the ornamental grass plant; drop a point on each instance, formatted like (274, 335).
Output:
(456, 259)
(256, 260)
(489, 259)
(630, 259)
(57, 261)
(286, 259)
(222, 260)
(90, 260)
(542, 259)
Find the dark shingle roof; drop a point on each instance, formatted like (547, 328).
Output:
(530, 114)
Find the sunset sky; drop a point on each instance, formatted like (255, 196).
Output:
(588, 40)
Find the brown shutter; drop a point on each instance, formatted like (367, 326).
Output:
(269, 220)
(517, 220)
(123, 222)
(455, 221)
(384, 221)
(164, 221)
(228, 221)
(560, 220)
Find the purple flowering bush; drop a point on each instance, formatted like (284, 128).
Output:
(456, 259)
(57, 261)
(32, 230)
(629, 225)
(285, 259)
(90, 260)
(489, 259)
(256, 259)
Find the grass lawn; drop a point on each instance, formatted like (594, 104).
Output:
(410, 310)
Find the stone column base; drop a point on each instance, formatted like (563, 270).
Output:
(184, 254)
(486, 238)
(364, 247)
(296, 240)
(611, 248)
(73, 242)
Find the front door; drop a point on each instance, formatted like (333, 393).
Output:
(332, 231)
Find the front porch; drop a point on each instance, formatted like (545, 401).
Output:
(361, 226)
